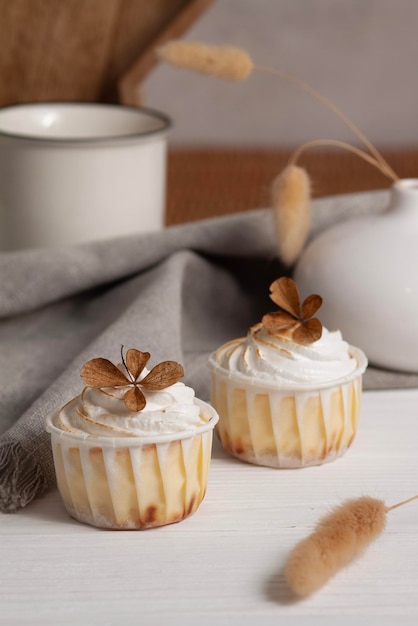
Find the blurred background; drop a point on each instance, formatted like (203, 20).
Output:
(361, 54)
(229, 140)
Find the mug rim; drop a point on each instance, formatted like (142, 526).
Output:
(165, 120)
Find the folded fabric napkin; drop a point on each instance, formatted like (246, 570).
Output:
(178, 294)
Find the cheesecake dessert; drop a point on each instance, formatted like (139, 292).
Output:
(133, 450)
(288, 394)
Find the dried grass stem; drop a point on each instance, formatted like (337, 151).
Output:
(330, 105)
(346, 146)
(398, 504)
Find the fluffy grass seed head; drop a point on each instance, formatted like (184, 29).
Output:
(291, 202)
(337, 540)
(225, 62)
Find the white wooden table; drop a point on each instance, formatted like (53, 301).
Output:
(224, 564)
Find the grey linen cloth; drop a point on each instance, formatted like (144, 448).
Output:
(178, 294)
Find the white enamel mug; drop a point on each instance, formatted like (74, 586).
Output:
(72, 173)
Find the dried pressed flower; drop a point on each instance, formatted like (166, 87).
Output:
(292, 316)
(337, 540)
(222, 61)
(103, 373)
(291, 201)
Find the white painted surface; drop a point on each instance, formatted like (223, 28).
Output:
(223, 565)
(359, 53)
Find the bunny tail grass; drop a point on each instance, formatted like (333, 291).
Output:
(225, 62)
(336, 541)
(291, 202)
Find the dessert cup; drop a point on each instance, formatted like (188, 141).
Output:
(133, 482)
(286, 426)
(289, 393)
(132, 450)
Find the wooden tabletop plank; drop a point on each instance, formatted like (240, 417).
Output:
(208, 182)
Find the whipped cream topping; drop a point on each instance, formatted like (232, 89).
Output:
(275, 357)
(102, 412)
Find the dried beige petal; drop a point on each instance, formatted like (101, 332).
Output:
(311, 305)
(136, 361)
(308, 332)
(285, 294)
(163, 375)
(102, 373)
(278, 320)
(134, 399)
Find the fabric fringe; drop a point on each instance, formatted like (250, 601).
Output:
(21, 478)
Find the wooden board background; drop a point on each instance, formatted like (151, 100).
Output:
(78, 50)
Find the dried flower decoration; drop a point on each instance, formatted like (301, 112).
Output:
(292, 216)
(305, 328)
(338, 538)
(103, 373)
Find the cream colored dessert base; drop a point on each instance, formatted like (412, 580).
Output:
(132, 487)
(286, 429)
